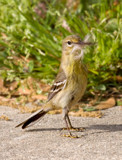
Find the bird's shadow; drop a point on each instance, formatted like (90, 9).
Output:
(100, 127)
(106, 128)
(44, 129)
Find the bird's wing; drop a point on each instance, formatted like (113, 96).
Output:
(59, 84)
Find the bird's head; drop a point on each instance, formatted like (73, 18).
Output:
(73, 46)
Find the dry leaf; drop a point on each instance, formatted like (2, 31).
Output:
(25, 109)
(82, 113)
(3, 117)
(106, 104)
(39, 97)
(57, 111)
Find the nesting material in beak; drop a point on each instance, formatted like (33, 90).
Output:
(78, 49)
(86, 43)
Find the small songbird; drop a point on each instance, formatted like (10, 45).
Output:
(70, 83)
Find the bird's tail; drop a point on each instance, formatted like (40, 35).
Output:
(34, 117)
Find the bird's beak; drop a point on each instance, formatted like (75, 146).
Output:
(85, 43)
(79, 46)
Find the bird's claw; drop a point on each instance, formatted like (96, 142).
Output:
(75, 129)
(78, 129)
(70, 136)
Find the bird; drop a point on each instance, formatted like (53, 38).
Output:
(69, 85)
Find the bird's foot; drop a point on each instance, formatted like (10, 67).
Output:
(70, 136)
(75, 129)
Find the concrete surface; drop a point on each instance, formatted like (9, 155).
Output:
(102, 139)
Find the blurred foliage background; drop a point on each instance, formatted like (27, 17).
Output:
(31, 34)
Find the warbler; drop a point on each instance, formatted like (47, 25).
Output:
(70, 83)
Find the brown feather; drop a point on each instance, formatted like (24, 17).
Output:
(32, 119)
(61, 77)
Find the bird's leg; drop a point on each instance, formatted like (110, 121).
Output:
(69, 122)
(65, 114)
(71, 127)
(67, 127)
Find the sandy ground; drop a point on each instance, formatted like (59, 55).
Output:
(102, 139)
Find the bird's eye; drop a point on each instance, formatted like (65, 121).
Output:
(69, 43)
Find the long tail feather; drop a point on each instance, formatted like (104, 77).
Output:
(33, 118)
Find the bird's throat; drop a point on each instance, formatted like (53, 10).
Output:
(73, 67)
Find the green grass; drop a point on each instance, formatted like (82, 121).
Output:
(31, 45)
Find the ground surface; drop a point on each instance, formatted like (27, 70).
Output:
(102, 139)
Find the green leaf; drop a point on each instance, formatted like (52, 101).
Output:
(89, 109)
(31, 66)
(101, 87)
